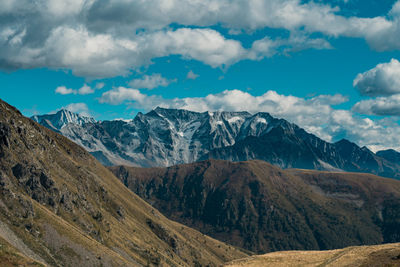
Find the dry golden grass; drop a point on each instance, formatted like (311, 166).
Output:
(368, 256)
(10, 256)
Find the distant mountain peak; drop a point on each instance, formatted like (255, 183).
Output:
(364, 148)
(72, 116)
(61, 118)
(171, 112)
(390, 155)
(344, 141)
(263, 114)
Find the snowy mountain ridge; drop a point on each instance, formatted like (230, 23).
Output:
(161, 137)
(62, 118)
(166, 137)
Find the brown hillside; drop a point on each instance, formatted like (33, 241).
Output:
(60, 206)
(10, 256)
(366, 256)
(262, 208)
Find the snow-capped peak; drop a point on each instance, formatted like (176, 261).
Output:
(62, 118)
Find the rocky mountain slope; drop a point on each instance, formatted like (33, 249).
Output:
(61, 207)
(10, 256)
(262, 208)
(295, 148)
(61, 119)
(390, 155)
(165, 137)
(371, 256)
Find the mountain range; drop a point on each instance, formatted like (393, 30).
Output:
(60, 207)
(166, 137)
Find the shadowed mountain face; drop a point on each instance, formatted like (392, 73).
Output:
(262, 208)
(390, 155)
(61, 207)
(295, 148)
(165, 137)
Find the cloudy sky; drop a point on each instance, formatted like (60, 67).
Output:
(331, 67)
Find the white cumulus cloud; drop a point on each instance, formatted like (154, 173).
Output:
(121, 94)
(381, 106)
(65, 91)
(150, 82)
(98, 39)
(102, 55)
(84, 90)
(382, 80)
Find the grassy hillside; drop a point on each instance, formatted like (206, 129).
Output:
(366, 256)
(60, 205)
(10, 256)
(262, 208)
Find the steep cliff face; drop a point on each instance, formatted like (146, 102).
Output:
(60, 206)
(262, 208)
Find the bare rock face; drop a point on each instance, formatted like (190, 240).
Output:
(166, 137)
(4, 134)
(37, 184)
(4, 137)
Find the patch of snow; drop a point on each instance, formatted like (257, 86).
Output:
(261, 120)
(121, 119)
(235, 119)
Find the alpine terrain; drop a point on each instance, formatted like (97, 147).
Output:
(60, 207)
(166, 137)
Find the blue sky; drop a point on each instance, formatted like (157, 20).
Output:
(329, 66)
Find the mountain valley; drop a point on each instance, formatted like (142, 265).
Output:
(262, 208)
